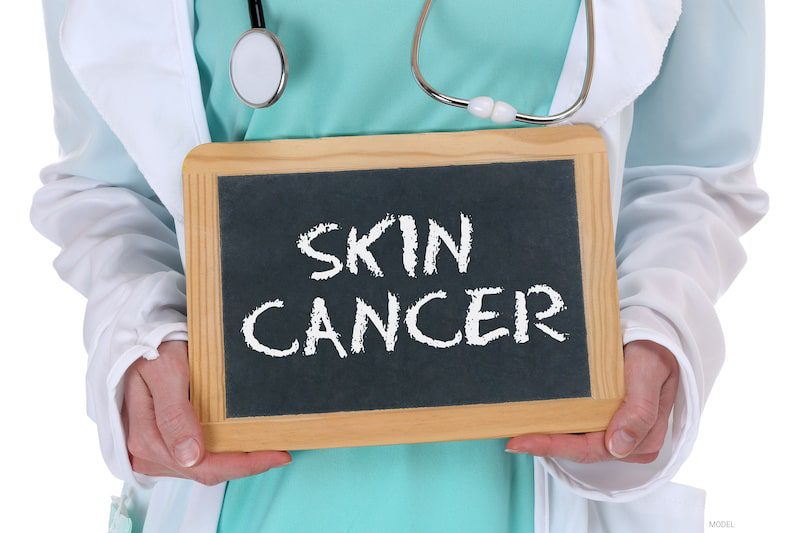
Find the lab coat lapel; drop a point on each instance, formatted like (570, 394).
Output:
(631, 38)
(135, 61)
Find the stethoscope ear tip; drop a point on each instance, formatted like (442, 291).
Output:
(258, 68)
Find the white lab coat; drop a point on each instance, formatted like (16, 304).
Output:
(128, 108)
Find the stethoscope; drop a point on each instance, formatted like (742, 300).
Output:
(258, 71)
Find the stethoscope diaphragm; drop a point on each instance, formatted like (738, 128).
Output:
(258, 68)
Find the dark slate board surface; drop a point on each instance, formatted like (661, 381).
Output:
(525, 227)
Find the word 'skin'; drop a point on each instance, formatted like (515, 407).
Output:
(358, 252)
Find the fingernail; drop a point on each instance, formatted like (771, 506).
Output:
(514, 450)
(284, 463)
(187, 452)
(621, 444)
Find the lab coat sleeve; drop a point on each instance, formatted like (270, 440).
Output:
(688, 194)
(118, 249)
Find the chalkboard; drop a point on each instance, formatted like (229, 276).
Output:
(341, 283)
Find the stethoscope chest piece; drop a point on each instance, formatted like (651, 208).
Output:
(258, 68)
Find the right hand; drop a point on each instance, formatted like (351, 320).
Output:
(163, 433)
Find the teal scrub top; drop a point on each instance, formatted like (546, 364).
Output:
(349, 74)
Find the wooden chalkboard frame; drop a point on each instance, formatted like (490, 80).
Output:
(205, 163)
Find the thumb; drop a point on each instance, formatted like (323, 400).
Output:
(180, 429)
(175, 418)
(638, 413)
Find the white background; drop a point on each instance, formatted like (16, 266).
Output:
(747, 453)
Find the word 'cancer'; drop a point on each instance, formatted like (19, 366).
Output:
(320, 327)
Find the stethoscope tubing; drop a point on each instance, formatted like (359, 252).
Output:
(520, 117)
(256, 14)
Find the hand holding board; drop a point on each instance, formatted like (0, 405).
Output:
(401, 288)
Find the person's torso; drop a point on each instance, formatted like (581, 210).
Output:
(349, 64)
(349, 74)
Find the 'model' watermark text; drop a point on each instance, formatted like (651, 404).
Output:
(721, 524)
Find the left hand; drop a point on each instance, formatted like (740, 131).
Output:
(637, 430)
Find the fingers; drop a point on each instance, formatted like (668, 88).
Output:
(151, 468)
(647, 402)
(581, 448)
(218, 467)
